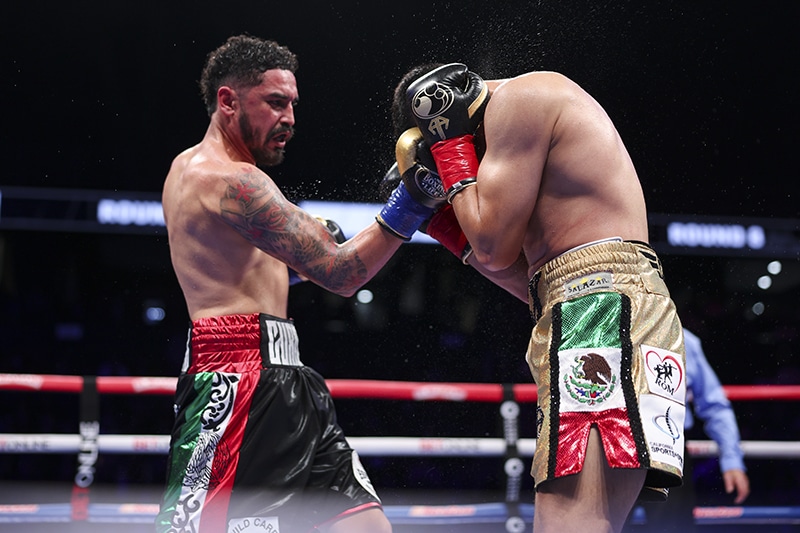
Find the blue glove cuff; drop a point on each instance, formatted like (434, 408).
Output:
(402, 215)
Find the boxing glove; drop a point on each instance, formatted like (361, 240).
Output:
(418, 193)
(338, 235)
(423, 156)
(421, 180)
(334, 229)
(443, 226)
(389, 183)
(448, 104)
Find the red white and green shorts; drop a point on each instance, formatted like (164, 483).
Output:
(606, 351)
(255, 444)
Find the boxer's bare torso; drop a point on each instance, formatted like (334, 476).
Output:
(219, 271)
(232, 233)
(555, 174)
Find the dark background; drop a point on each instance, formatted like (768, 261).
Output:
(102, 95)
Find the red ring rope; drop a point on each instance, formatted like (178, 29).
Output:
(355, 388)
(375, 389)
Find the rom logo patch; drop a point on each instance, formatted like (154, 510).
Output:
(666, 375)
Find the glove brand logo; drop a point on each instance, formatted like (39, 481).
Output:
(429, 103)
(432, 101)
(429, 183)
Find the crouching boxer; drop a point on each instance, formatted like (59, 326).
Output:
(534, 167)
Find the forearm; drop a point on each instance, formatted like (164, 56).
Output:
(356, 261)
(722, 428)
(490, 250)
(513, 279)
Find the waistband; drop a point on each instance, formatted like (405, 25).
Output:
(235, 343)
(595, 266)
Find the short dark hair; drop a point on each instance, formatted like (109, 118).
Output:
(240, 62)
(401, 111)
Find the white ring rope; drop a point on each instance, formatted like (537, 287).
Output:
(507, 395)
(367, 446)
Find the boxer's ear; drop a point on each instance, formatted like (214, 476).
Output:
(226, 99)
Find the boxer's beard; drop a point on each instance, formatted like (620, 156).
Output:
(262, 153)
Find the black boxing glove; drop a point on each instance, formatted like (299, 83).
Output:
(338, 235)
(334, 229)
(389, 183)
(448, 102)
(448, 105)
(418, 193)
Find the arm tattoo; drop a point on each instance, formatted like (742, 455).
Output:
(254, 206)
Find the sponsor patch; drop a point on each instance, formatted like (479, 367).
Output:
(666, 374)
(663, 428)
(596, 281)
(589, 379)
(262, 524)
(280, 342)
(362, 477)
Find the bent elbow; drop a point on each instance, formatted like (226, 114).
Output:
(493, 261)
(347, 292)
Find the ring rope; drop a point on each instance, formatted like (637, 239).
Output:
(510, 511)
(55, 443)
(355, 388)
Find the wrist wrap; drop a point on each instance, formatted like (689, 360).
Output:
(456, 160)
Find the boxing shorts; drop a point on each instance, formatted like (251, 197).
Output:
(256, 445)
(607, 351)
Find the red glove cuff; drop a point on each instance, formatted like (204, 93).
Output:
(443, 227)
(456, 160)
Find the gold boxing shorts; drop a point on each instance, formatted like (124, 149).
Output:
(607, 351)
